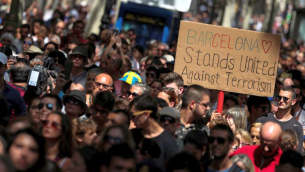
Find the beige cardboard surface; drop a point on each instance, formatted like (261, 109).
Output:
(227, 59)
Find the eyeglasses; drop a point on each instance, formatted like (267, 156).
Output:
(168, 88)
(150, 75)
(115, 140)
(204, 104)
(167, 118)
(73, 101)
(219, 140)
(133, 94)
(101, 111)
(48, 105)
(28, 42)
(10, 31)
(264, 108)
(141, 112)
(59, 61)
(54, 125)
(98, 84)
(279, 98)
(257, 137)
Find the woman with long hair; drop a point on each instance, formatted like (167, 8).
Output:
(58, 135)
(236, 118)
(26, 150)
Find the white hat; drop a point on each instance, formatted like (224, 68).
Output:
(3, 58)
(169, 58)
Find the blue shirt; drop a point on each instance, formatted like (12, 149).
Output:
(14, 101)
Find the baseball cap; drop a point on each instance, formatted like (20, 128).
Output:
(34, 49)
(131, 77)
(80, 50)
(170, 111)
(78, 95)
(3, 58)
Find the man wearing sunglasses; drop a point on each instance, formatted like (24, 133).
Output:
(286, 99)
(170, 121)
(266, 156)
(221, 141)
(103, 103)
(143, 110)
(48, 103)
(136, 90)
(175, 81)
(75, 104)
(195, 106)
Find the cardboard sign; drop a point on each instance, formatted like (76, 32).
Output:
(227, 59)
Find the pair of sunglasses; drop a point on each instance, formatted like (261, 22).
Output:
(219, 140)
(279, 98)
(48, 105)
(167, 118)
(150, 75)
(54, 125)
(73, 101)
(133, 94)
(115, 140)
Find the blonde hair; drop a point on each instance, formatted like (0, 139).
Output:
(239, 117)
(256, 125)
(244, 136)
(80, 127)
(244, 159)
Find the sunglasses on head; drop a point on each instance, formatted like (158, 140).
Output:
(167, 118)
(133, 94)
(279, 98)
(73, 101)
(54, 125)
(28, 42)
(168, 88)
(219, 140)
(115, 140)
(48, 105)
(150, 75)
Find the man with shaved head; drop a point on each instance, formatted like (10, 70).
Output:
(286, 100)
(287, 82)
(102, 82)
(266, 156)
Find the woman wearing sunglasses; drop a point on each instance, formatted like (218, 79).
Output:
(28, 42)
(58, 135)
(26, 150)
(113, 135)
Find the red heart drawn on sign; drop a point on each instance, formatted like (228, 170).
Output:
(266, 44)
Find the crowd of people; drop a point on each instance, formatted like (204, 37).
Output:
(105, 104)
